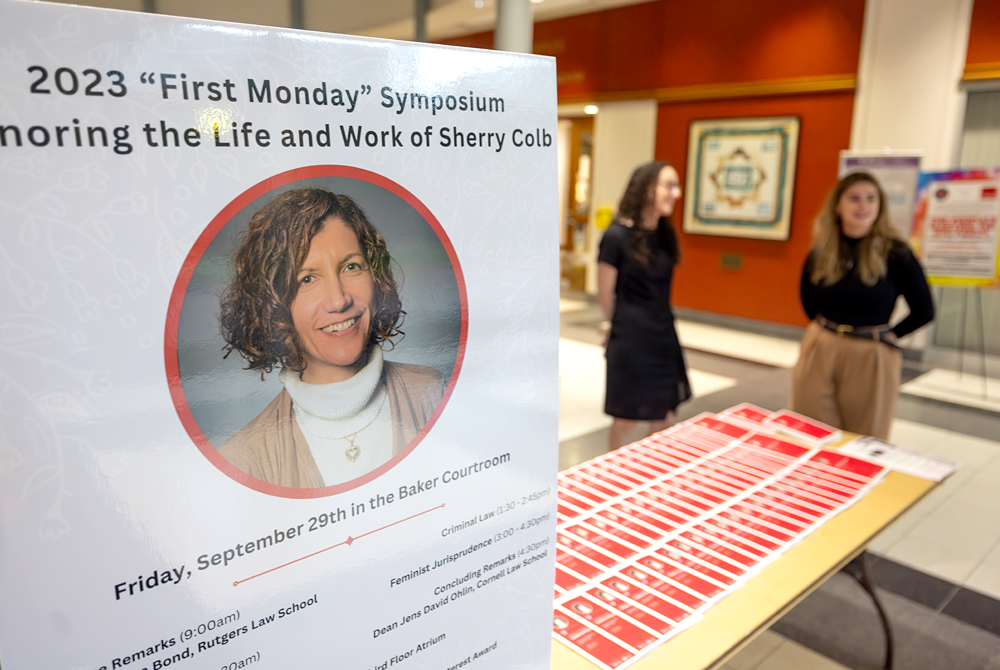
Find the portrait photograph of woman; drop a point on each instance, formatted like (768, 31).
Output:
(319, 332)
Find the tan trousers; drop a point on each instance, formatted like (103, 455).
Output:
(847, 382)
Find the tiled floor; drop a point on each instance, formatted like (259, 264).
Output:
(951, 538)
(771, 651)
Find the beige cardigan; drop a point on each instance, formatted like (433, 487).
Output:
(273, 449)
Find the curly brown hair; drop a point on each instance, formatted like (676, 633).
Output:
(256, 317)
(637, 194)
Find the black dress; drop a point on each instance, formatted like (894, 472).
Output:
(646, 374)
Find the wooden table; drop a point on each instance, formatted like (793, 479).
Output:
(736, 620)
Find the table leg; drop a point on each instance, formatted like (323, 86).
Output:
(858, 569)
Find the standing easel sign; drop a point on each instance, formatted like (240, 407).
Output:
(956, 228)
(279, 364)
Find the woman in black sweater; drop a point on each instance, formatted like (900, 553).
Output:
(849, 366)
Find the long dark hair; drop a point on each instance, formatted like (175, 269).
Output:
(637, 194)
(256, 317)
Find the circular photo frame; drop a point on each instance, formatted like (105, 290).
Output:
(220, 401)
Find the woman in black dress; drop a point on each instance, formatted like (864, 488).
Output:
(646, 374)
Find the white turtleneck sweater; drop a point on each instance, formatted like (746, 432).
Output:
(330, 415)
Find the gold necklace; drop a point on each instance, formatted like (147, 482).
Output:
(353, 451)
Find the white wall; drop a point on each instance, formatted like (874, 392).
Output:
(624, 138)
(909, 94)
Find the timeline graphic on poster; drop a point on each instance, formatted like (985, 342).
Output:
(166, 500)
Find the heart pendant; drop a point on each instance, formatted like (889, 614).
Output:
(352, 453)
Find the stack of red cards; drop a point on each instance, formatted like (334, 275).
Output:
(651, 535)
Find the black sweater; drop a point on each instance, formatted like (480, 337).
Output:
(850, 301)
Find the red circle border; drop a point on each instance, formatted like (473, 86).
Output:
(184, 279)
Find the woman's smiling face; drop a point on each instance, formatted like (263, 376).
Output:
(332, 310)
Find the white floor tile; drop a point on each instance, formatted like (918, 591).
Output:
(571, 305)
(756, 652)
(986, 578)
(735, 344)
(965, 389)
(581, 388)
(793, 656)
(954, 557)
(983, 487)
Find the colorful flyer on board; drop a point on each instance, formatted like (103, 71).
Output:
(956, 226)
(279, 347)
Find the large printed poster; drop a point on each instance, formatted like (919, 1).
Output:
(956, 228)
(278, 339)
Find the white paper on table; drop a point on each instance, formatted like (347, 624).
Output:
(899, 459)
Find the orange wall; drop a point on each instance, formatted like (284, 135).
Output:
(675, 43)
(984, 35)
(767, 287)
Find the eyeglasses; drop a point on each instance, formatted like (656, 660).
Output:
(674, 187)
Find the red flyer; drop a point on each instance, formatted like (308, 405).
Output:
(718, 425)
(643, 615)
(784, 492)
(577, 502)
(582, 491)
(601, 540)
(742, 458)
(640, 465)
(670, 459)
(653, 507)
(591, 553)
(796, 480)
(744, 531)
(611, 622)
(800, 474)
(639, 594)
(748, 412)
(634, 540)
(662, 587)
(848, 464)
(775, 443)
(613, 470)
(740, 477)
(723, 549)
(710, 483)
(732, 568)
(593, 482)
(661, 523)
(578, 565)
(802, 427)
(589, 641)
(686, 491)
(566, 580)
(763, 523)
(705, 589)
(633, 523)
(745, 545)
(697, 567)
(674, 501)
(767, 510)
(833, 475)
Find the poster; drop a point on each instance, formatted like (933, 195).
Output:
(956, 230)
(897, 173)
(741, 176)
(279, 348)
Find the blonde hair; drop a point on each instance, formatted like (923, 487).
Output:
(829, 260)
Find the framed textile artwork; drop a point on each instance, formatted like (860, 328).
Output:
(741, 176)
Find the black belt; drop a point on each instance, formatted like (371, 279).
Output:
(874, 333)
